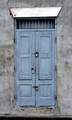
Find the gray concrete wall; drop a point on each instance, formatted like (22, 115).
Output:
(64, 58)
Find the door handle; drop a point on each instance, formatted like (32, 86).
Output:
(36, 87)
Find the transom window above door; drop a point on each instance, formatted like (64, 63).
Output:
(36, 23)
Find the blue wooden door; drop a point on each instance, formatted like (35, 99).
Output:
(35, 70)
(45, 68)
(24, 75)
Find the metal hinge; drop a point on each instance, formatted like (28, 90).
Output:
(35, 68)
(14, 68)
(55, 68)
(14, 40)
(55, 97)
(55, 40)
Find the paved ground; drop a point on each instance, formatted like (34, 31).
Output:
(18, 118)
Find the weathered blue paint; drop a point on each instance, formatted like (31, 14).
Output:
(24, 61)
(45, 65)
(27, 42)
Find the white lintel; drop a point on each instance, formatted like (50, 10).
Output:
(35, 12)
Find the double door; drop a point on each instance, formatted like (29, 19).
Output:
(35, 80)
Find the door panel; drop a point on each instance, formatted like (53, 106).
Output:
(45, 68)
(25, 61)
(44, 55)
(25, 56)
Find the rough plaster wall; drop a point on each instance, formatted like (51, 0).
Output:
(64, 58)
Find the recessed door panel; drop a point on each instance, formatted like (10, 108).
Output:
(25, 55)
(45, 60)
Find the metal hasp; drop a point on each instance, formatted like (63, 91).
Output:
(36, 87)
(36, 54)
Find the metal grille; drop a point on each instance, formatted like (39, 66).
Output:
(36, 24)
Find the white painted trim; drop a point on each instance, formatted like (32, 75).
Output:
(35, 12)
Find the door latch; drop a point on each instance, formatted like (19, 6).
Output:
(36, 54)
(36, 87)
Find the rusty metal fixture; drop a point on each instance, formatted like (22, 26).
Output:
(35, 86)
(32, 68)
(35, 52)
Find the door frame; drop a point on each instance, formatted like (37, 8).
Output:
(15, 29)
